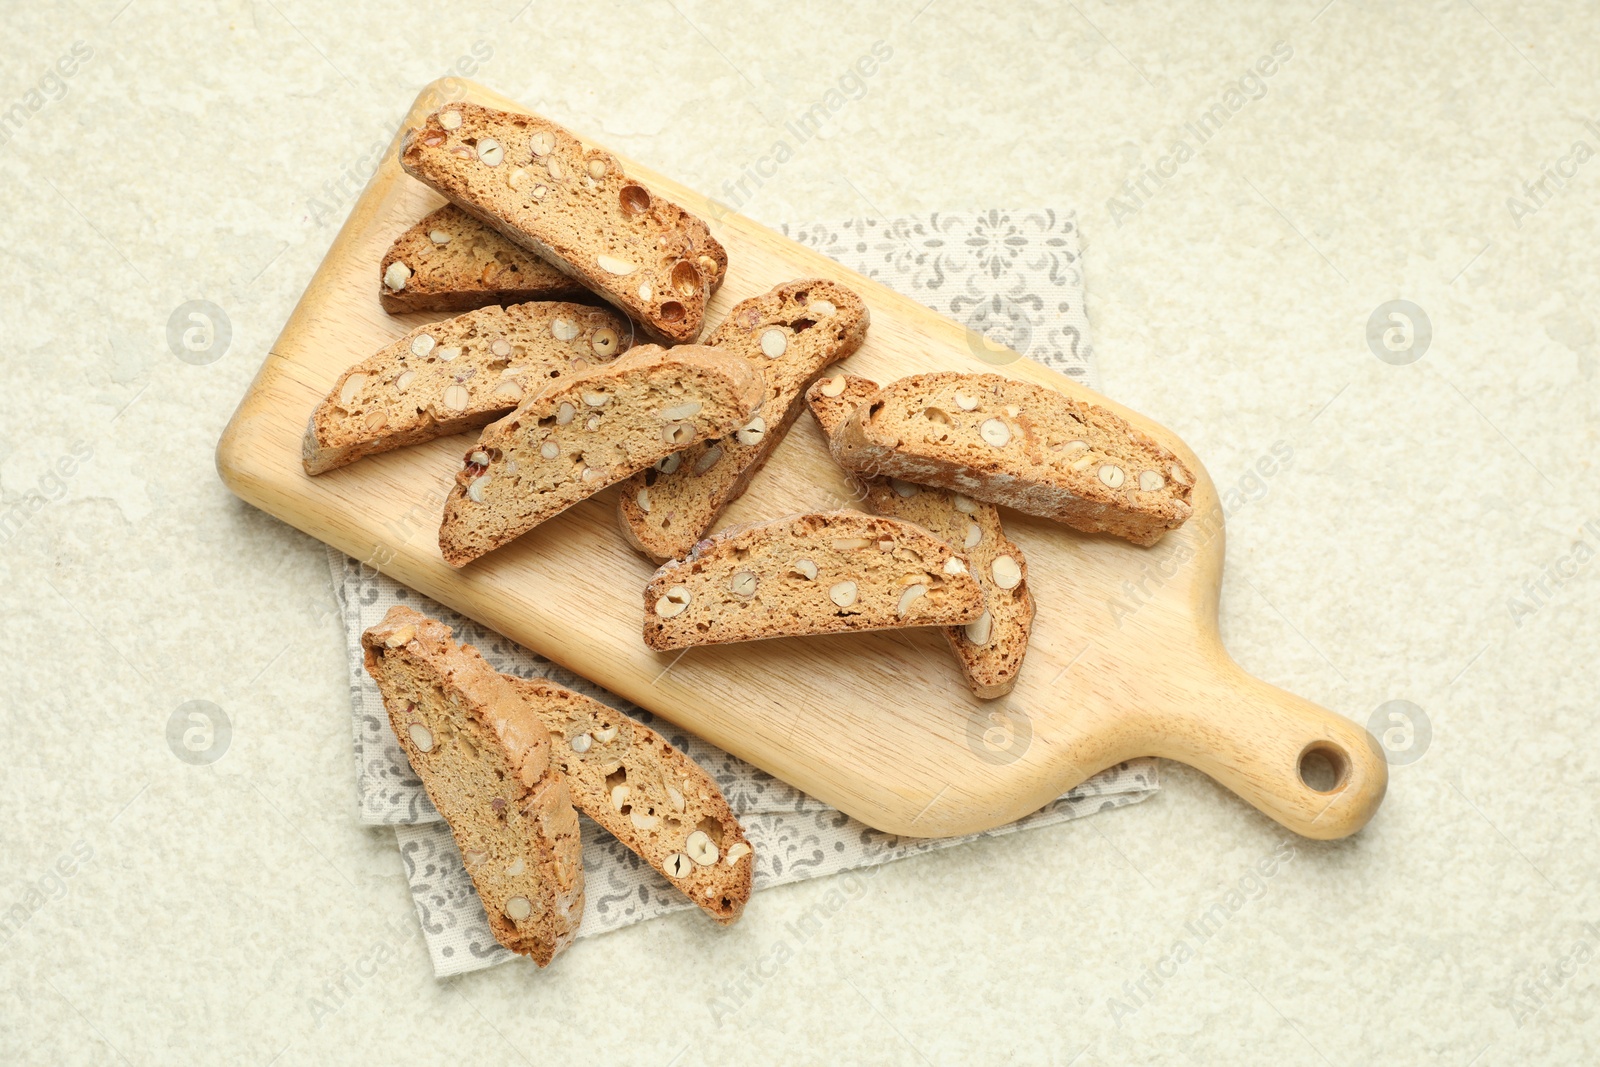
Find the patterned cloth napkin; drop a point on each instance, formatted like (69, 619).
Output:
(1014, 279)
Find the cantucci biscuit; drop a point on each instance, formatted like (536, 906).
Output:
(452, 262)
(826, 572)
(456, 375)
(1021, 446)
(571, 203)
(589, 431)
(484, 757)
(651, 797)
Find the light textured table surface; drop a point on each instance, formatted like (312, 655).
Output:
(234, 911)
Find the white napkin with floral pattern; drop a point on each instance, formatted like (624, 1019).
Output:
(1014, 279)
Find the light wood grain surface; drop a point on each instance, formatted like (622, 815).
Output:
(1125, 658)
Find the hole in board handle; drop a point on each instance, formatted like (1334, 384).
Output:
(1324, 768)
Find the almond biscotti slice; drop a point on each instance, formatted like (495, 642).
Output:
(571, 203)
(589, 431)
(988, 650)
(822, 573)
(483, 755)
(793, 333)
(1022, 446)
(452, 262)
(651, 797)
(456, 375)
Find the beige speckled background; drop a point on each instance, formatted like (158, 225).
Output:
(236, 913)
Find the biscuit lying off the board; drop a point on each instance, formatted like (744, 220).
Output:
(1022, 446)
(990, 649)
(792, 332)
(483, 755)
(571, 203)
(651, 797)
(826, 572)
(452, 376)
(586, 432)
(452, 262)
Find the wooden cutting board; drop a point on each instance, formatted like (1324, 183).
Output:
(1125, 659)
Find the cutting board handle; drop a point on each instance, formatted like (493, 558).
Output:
(1264, 743)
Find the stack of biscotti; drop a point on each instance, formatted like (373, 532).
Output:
(456, 375)
(1021, 446)
(509, 762)
(792, 333)
(990, 649)
(452, 262)
(822, 573)
(589, 431)
(544, 189)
